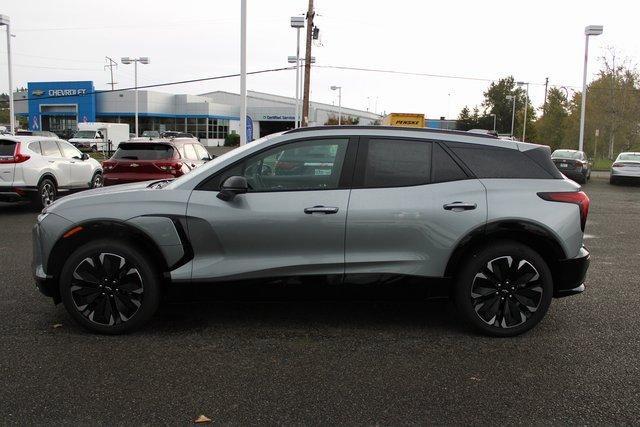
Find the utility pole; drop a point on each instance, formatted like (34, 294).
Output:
(546, 87)
(243, 72)
(307, 66)
(111, 64)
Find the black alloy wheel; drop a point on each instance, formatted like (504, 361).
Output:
(109, 286)
(504, 289)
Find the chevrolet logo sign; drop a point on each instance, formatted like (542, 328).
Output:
(37, 92)
(134, 165)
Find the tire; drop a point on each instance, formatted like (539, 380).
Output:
(613, 181)
(491, 302)
(47, 193)
(96, 181)
(110, 287)
(582, 179)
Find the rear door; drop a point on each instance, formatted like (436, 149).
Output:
(56, 162)
(291, 222)
(80, 171)
(410, 205)
(7, 165)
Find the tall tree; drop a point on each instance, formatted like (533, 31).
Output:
(551, 126)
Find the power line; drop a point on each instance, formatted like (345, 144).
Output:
(179, 82)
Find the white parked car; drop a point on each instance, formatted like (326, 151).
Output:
(38, 169)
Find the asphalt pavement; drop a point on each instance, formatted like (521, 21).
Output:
(331, 362)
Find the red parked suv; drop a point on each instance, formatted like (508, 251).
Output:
(153, 160)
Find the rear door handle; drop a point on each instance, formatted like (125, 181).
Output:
(459, 206)
(321, 209)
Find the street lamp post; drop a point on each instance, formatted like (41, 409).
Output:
(297, 22)
(143, 60)
(339, 89)
(513, 111)
(4, 20)
(590, 30)
(243, 72)
(494, 121)
(526, 107)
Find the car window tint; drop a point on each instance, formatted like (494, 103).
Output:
(35, 147)
(7, 148)
(495, 162)
(50, 149)
(397, 163)
(143, 151)
(69, 151)
(304, 165)
(189, 152)
(444, 168)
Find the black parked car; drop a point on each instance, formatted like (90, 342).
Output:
(573, 164)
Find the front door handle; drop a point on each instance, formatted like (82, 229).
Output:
(321, 209)
(459, 206)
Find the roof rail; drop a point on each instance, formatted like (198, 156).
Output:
(396, 128)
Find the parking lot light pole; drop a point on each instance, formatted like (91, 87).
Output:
(526, 107)
(513, 111)
(589, 30)
(243, 72)
(126, 61)
(4, 20)
(297, 22)
(339, 89)
(494, 121)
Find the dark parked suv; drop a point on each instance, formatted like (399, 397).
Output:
(492, 222)
(153, 160)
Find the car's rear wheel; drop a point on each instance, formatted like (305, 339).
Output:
(505, 289)
(47, 193)
(613, 180)
(109, 287)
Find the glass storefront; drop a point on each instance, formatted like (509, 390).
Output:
(217, 128)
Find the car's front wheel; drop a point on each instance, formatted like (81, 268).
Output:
(504, 289)
(96, 181)
(109, 287)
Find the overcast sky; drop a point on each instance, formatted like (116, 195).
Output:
(68, 40)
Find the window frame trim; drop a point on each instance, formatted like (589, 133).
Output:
(344, 180)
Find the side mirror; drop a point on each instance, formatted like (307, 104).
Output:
(205, 159)
(233, 186)
(84, 156)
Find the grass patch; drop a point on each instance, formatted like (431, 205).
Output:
(601, 164)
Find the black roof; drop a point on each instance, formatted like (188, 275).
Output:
(394, 128)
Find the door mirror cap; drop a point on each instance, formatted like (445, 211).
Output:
(84, 156)
(233, 186)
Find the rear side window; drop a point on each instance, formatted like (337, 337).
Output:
(50, 149)
(7, 147)
(35, 147)
(496, 162)
(444, 168)
(143, 151)
(396, 163)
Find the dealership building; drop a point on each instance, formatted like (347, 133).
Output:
(56, 106)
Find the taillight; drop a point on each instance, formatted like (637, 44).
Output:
(171, 167)
(17, 157)
(617, 165)
(576, 197)
(107, 165)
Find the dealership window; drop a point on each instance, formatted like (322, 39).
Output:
(218, 129)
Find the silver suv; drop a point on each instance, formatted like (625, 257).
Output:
(492, 222)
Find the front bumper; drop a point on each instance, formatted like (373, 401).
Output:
(569, 275)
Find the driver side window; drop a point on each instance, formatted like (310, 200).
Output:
(303, 165)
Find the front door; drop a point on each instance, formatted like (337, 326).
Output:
(291, 222)
(410, 206)
(56, 162)
(80, 171)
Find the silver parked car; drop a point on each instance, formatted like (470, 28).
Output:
(626, 166)
(492, 221)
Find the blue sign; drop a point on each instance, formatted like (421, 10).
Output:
(249, 129)
(70, 99)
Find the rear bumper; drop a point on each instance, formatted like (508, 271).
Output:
(569, 275)
(626, 173)
(127, 178)
(574, 174)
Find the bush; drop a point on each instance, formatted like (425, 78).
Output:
(232, 140)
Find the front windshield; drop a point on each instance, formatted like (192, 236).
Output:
(222, 158)
(635, 157)
(566, 154)
(151, 134)
(85, 134)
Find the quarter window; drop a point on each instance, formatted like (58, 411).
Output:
(396, 163)
(50, 149)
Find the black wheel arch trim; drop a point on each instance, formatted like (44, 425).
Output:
(532, 234)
